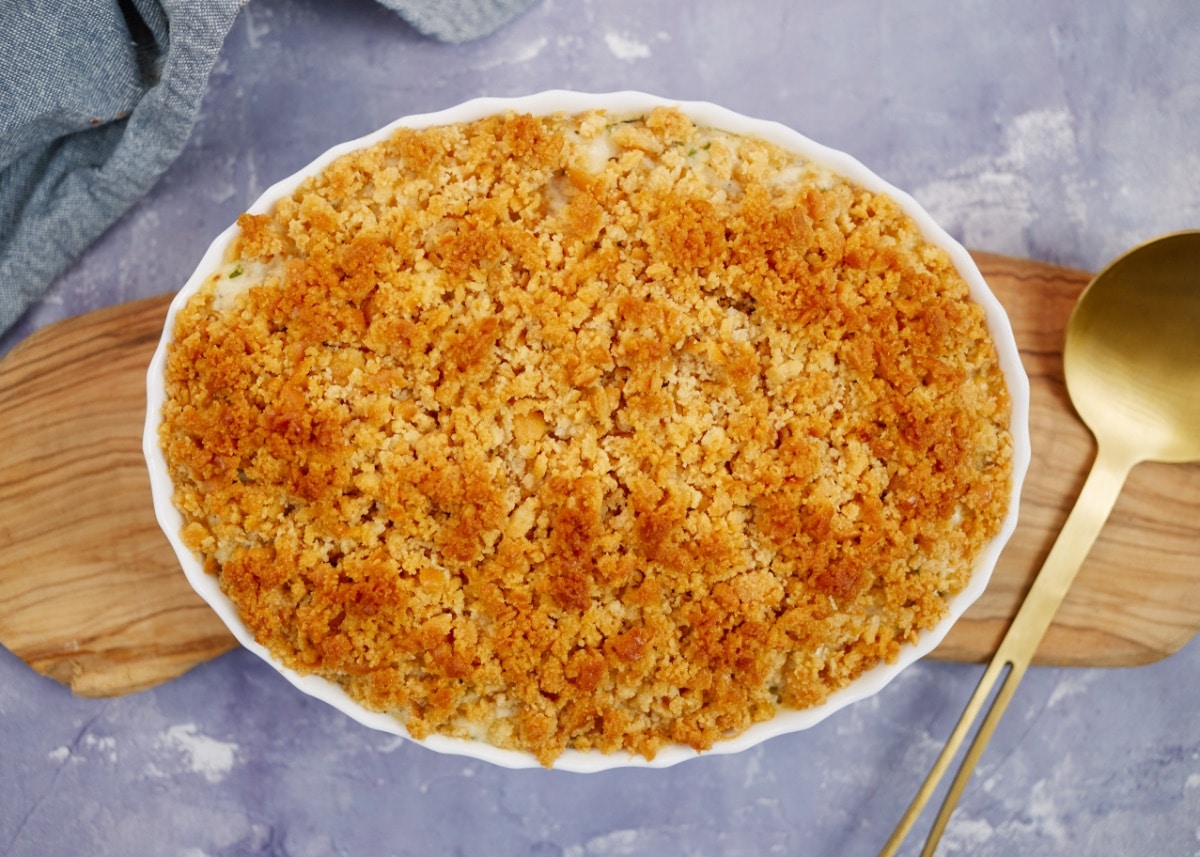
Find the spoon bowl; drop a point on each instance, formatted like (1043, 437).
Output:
(1132, 365)
(1132, 352)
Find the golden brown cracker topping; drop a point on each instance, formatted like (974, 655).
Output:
(585, 431)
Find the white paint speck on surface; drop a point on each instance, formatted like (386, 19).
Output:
(530, 51)
(104, 746)
(618, 843)
(1047, 819)
(59, 754)
(968, 834)
(1070, 685)
(204, 755)
(753, 770)
(626, 48)
(992, 201)
(256, 28)
(391, 744)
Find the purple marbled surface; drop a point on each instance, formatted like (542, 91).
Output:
(1055, 130)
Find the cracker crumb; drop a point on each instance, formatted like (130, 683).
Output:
(585, 431)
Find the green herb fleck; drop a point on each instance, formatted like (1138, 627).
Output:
(236, 272)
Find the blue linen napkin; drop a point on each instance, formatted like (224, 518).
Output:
(98, 97)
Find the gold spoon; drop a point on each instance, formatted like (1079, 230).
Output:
(1132, 366)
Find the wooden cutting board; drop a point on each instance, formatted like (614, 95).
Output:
(91, 594)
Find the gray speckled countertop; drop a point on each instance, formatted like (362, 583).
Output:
(1055, 130)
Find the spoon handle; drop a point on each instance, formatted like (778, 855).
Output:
(1016, 650)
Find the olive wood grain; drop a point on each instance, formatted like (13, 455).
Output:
(91, 594)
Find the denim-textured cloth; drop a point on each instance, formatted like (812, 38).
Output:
(98, 97)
